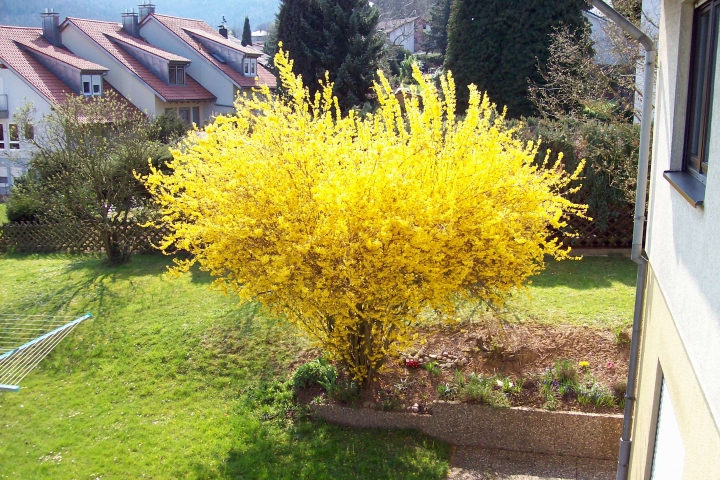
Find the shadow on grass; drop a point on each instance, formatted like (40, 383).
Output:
(587, 274)
(316, 450)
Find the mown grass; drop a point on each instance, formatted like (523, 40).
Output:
(598, 292)
(163, 382)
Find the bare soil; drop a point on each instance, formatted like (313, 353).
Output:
(517, 351)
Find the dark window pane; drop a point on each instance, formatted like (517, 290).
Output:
(711, 101)
(86, 88)
(2, 137)
(196, 115)
(14, 134)
(700, 63)
(184, 114)
(181, 76)
(172, 75)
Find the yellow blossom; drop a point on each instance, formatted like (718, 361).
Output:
(352, 227)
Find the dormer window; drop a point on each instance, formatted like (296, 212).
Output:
(250, 67)
(92, 85)
(177, 75)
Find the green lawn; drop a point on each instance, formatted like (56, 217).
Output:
(168, 378)
(595, 291)
(166, 381)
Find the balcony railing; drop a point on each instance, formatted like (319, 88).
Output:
(3, 106)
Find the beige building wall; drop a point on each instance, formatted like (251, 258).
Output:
(663, 354)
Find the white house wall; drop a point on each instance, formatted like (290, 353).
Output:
(403, 36)
(200, 69)
(19, 93)
(126, 82)
(682, 240)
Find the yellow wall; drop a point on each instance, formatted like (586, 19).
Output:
(663, 353)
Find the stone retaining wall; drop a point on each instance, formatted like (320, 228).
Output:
(521, 429)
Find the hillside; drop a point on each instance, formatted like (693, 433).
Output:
(27, 13)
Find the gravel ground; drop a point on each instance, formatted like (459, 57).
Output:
(470, 463)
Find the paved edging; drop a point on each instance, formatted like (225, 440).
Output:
(575, 434)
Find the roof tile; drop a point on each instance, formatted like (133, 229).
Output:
(108, 34)
(181, 27)
(14, 42)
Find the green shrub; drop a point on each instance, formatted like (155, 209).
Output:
(478, 389)
(610, 150)
(447, 391)
(24, 203)
(433, 368)
(317, 372)
(597, 394)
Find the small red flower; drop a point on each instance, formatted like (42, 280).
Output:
(412, 363)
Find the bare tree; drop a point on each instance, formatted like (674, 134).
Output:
(87, 153)
(576, 84)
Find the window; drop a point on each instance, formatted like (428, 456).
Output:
(2, 137)
(29, 133)
(14, 135)
(700, 99)
(196, 115)
(249, 67)
(669, 451)
(177, 75)
(184, 113)
(92, 85)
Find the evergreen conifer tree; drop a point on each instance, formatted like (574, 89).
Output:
(247, 33)
(499, 44)
(439, 16)
(337, 36)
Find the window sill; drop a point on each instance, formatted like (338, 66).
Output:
(689, 187)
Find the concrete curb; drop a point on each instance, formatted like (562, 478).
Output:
(575, 434)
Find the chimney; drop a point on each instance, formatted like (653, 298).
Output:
(223, 31)
(130, 23)
(146, 9)
(51, 27)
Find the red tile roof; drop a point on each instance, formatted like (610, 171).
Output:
(14, 42)
(184, 27)
(214, 36)
(142, 45)
(43, 47)
(108, 34)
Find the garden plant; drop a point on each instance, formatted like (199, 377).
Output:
(354, 228)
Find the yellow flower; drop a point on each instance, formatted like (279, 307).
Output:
(356, 228)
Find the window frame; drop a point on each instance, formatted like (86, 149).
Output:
(701, 90)
(176, 75)
(185, 113)
(91, 85)
(250, 67)
(14, 139)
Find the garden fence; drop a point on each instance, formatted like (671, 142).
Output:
(37, 237)
(73, 238)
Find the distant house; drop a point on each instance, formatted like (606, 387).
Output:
(153, 79)
(676, 427)
(221, 65)
(259, 37)
(604, 53)
(158, 63)
(35, 67)
(409, 33)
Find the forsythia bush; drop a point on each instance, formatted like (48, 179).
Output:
(351, 227)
